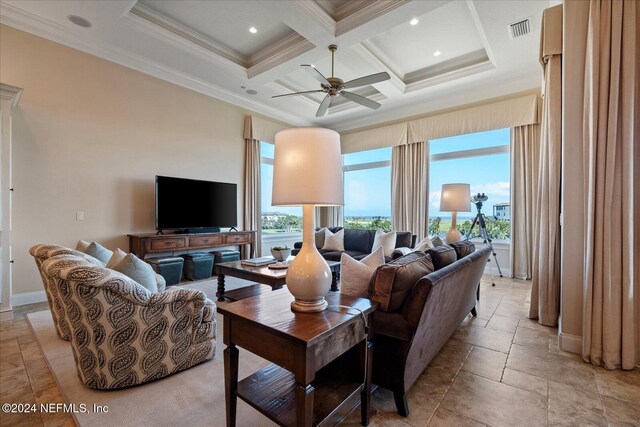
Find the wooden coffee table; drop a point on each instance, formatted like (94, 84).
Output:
(263, 274)
(319, 359)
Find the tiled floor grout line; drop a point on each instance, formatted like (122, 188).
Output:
(449, 387)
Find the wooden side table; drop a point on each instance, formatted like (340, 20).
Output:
(319, 359)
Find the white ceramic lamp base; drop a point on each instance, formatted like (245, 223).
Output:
(309, 275)
(453, 235)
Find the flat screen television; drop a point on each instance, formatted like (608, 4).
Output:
(193, 204)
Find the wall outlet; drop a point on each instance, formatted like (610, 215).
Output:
(79, 216)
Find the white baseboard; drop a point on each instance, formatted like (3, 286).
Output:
(28, 298)
(570, 343)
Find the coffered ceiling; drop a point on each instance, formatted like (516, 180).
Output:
(456, 52)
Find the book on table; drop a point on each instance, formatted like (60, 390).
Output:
(257, 262)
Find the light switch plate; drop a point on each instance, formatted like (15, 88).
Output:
(79, 216)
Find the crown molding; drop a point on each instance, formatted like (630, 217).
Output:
(284, 50)
(318, 14)
(154, 23)
(366, 14)
(10, 93)
(24, 21)
(448, 76)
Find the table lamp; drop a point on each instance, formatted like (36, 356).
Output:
(455, 198)
(307, 171)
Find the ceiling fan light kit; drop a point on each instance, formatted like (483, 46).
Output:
(333, 86)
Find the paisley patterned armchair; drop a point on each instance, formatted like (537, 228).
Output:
(123, 335)
(41, 253)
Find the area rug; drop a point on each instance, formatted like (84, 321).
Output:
(194, 397)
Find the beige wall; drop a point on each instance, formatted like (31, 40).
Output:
(90, 135)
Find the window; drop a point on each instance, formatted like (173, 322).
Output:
(275, 219)
(483, 160)
(367, 189)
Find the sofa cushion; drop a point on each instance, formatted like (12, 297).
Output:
(403, 239)
(336, 255)
(463, 248)
(392, 282)
(95, 250)
(320, 236)
(386, 241)
(359, 240)
(334, 241)
(442, 256)
(355, 275)
(138, 271)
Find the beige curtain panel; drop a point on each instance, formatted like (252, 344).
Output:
(525, 165)
(611, 320)
(252, 217)
(329, 216)
(262, 129)
(545, 286)
(410, 188)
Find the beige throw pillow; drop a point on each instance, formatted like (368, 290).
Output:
(118, 255)
(386, 241)
(355, 275)
(334, 241)
(424, 244)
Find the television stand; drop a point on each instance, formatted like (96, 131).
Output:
(152, 243)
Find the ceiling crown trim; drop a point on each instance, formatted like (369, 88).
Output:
(25, 21)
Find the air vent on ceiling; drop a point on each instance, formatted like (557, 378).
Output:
(519, 28)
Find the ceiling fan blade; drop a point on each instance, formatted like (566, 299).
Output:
(316, 74)
(324, 105)
(367, 80)
(297, 93)
(360, 100)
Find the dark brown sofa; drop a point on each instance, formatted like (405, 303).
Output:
(407, 339)
(358, 243)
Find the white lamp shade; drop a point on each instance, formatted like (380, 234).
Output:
(455, 197)
(307, 168)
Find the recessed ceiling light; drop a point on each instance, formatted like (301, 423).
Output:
(253, 30)
(437, 53)
(414, 21)
(243, 87)
(252, 92)
(79, 21)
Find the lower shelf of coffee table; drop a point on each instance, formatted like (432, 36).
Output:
(272, 392)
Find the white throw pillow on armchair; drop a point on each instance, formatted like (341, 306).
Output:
(386, 241)
(333, 241)
(355, 275)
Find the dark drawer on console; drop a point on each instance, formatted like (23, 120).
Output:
(169, 243)
(235, 239)
(204, 241)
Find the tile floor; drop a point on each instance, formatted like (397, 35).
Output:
(499, 369)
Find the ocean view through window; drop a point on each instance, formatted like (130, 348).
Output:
(480, 159)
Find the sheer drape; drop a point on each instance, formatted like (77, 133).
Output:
(611, 162)
(545, 289)
(410, 188)
(525, 164)
(252, 217)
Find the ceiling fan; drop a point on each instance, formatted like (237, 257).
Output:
(333, 86)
